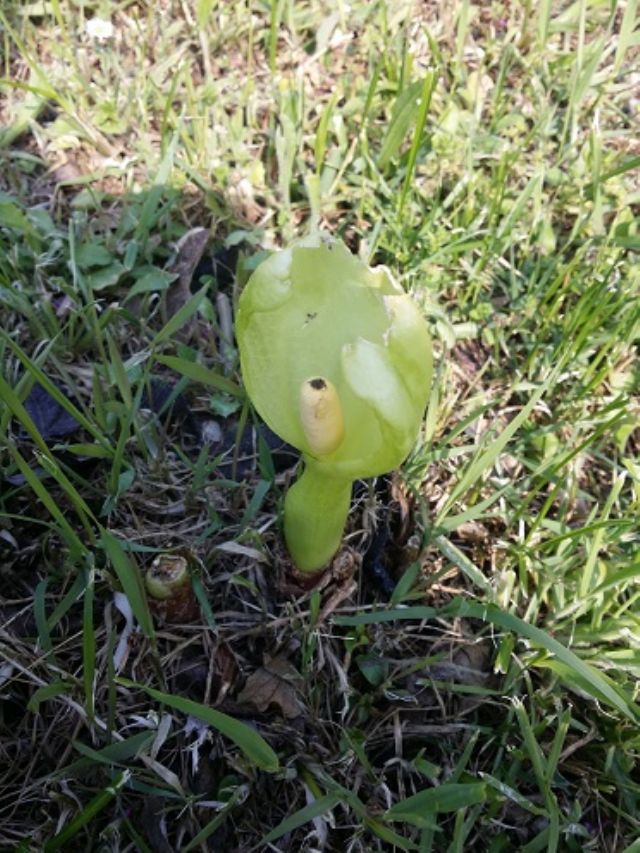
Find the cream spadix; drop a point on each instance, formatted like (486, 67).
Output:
(321, 415)
(336, 359)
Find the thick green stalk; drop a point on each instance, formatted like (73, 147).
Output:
(315, 513)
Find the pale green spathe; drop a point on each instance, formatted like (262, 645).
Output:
(316, 310)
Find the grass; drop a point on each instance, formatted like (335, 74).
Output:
(475, 685)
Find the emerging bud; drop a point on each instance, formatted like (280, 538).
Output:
(168, 583)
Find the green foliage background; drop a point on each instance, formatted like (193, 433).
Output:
(488, 154)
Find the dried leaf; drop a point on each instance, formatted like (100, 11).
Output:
(50, 418)
(189, 250)
(274, 684)
(226, 669)
(121, 652)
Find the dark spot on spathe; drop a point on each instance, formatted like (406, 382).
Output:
(318, 384)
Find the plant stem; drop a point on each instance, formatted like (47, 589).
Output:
(315, 512)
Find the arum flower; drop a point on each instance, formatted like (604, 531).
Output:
(336, 359)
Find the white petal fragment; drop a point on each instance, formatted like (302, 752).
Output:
(121, 652)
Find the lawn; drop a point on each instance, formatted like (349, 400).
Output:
(466, 675)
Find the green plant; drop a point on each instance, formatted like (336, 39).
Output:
(337, 360)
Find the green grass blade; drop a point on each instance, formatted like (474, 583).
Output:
(203, 10)
(600, 685)
(389, 836)
(276, 7)
(320, 144)
(12, 401)
(534, 751)
(423, 111)
(83, 510)
(8, 395)
(544, 16)
(459, 559)
(148, 216)
(586, 579)
(594, 680)
(199, 373)
(88, 647)
(131, 580)
(203, 601)
(49, 691)
(401, 120)
(485, 460)
(443, 798)
(40, 615)
(114, 753)
(38, 374)
(94, 807)
(513, 795)
(75, 544)
(181, 316)
(216, 822)
(378, 617)
(302, 816)
(119, 373)
(626, 35)
(553, 757)
(247, 739)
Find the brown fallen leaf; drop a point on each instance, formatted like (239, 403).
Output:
(274, 684)
(226, 667)
(189, 250)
